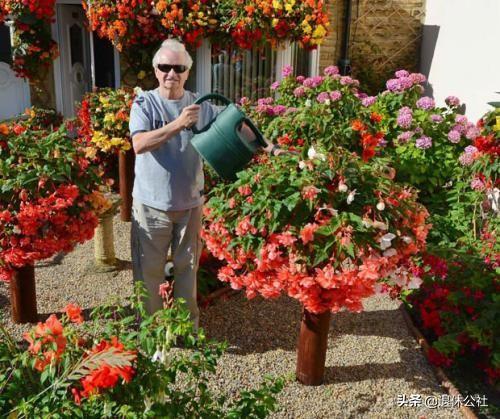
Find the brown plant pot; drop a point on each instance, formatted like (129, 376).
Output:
(23, 295)
(311, 348)
(126, 161)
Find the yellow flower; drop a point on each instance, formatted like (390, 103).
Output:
(141, 74)
(289, 5)
(109, 117)
(90, 152)
(275, 22)
(319, 32)
(306, 28)
(496, 127)
(277, 4)
(104, 100)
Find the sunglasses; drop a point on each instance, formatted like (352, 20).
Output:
(178, 68)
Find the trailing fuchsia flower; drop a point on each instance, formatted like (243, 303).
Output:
(477, 184)
(275, 85)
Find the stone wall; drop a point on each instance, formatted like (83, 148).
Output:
(385, 36)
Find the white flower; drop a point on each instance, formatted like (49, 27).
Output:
(137, 90)
(308, 103)
(414, 283)
(380, 225)
(381, 206)
(350, 197)
(327, 102)
(302, 165)
(385, 240)
(342, 187)
(390, 252)
(313, 154)
(407, 239)
(367, 222)
(16, 230)
(159, 355)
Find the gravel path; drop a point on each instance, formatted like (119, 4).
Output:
(371, 359)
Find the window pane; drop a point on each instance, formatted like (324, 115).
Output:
(5, 47)
(243, 73)
(301, 60)
(104, 62)
(191, 81)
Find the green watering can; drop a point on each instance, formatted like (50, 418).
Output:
(220, 143)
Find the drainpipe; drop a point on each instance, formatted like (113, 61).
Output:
(344, 62)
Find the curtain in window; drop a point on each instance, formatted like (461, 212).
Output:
(236, 74)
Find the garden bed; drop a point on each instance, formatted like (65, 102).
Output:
(371, 359)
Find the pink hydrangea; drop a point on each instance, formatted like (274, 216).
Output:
(335, 95)
(424, 142)
(452, 101)
(331, 70)
(426, 103)
(454, 136)
(287, 71)
(368, 101)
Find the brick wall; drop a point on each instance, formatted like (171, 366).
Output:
(385, 36)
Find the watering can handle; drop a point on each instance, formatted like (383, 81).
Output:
(212, 96)
(204, 98)
(255, 131)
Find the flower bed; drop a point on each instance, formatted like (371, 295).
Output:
(115, 365)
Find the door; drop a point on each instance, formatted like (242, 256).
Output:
(15, 92)
(75, 56)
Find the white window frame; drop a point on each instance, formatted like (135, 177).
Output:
(284, 57)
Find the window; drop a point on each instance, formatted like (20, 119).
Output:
(236, 74)
(5, 45)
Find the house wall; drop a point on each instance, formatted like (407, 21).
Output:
(384, 36)
(460, 52)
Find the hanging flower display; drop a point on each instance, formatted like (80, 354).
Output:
(125, 23)
(32, 45)
(49, 195)
(255, 22)
(189, 20)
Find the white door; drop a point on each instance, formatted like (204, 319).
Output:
(75, 56)
(14, 92)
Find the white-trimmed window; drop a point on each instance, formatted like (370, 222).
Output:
(236, 74)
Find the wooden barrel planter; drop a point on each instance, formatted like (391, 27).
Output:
(126, 161)
(23, 295)
(311, 348)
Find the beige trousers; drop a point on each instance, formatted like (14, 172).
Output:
(153, 232)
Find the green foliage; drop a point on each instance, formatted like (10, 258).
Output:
(167, 382)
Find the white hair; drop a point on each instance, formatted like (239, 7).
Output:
(175, 46)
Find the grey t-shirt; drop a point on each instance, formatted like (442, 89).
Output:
(169, 178)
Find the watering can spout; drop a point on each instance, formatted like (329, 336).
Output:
(222, 143)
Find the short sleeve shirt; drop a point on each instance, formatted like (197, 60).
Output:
(169, 178)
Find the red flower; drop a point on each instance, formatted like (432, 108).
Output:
(74, 313)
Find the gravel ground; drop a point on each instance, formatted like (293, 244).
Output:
(371, 358)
